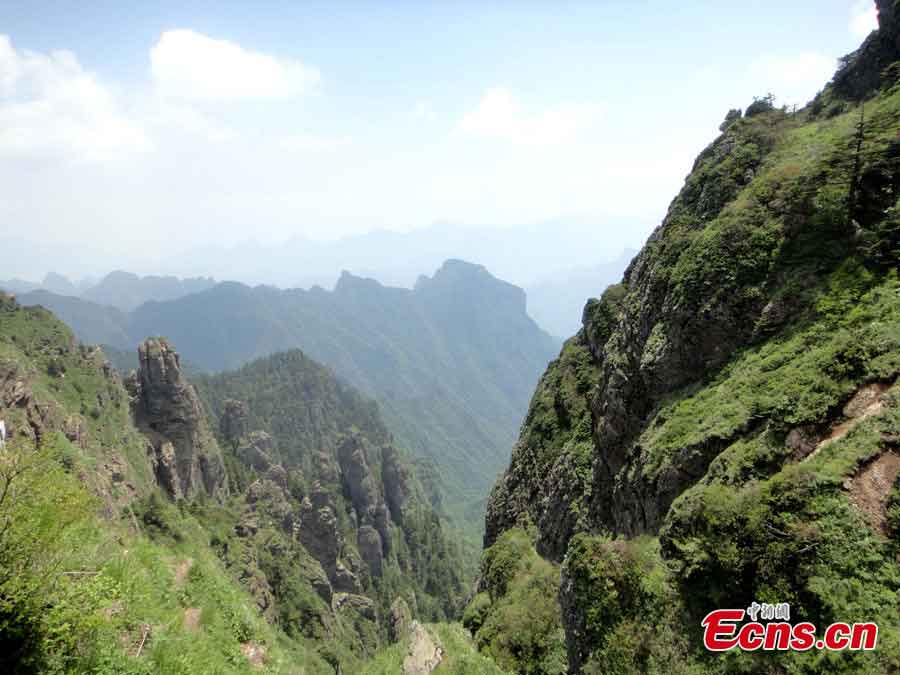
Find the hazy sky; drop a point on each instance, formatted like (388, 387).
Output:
(127, 131)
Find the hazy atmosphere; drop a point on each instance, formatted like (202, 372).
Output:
(152, 138)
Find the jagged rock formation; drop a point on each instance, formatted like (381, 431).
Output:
(42, 371)
(678, 315)
(73, 445)
(256, 450)
(186, 458)
(424, 654)
(321, 536)
(395, 476)
(365, 494)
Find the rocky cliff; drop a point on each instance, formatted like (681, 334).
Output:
(707, 405)
(186, 458)
(866, 69)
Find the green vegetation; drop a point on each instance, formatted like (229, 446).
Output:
(731, 411)
(300, 402)
(307, 410)
(93, 578)
(101, 572)
(516, 619)
(798, 378)
(625, 609)
(459, 656)
(452, 362)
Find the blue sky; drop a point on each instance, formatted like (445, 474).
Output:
(166, 125)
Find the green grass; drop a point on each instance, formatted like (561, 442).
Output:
(459, 654)
(84, 592)
(794, 379)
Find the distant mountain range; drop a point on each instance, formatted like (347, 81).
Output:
(122, 290)
(128, 291)
(557, 265)
(557, 303)
(452, 361)
(525, 255)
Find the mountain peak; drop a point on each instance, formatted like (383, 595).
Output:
(458, 281)
(349, 282)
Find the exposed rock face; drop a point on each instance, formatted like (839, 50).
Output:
(320, 535)
(357, 477)
(865, 68)
(643, 340)
(319, 532)
(233, 424)
(165, 468)
(399, 620)
(36, 418)
(359, 603)
(257, 451)
(396, 480)
(185, 456)
(252, 578)
(550, 469)
(75, 430)
(365, 495)
(270, 496)
(424, 654)
(369, 542)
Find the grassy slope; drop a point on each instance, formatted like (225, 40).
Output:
(80, 586)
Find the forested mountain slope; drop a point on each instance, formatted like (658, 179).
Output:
(724, 427)
(135, 541)
(451, 362)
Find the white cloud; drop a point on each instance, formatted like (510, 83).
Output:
(309, 142)
(499, 115)
(191, 121)
(185, 64)
(794, 80)
(863, 19)
(51, 106)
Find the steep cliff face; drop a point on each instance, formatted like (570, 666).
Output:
(707, 404)
(186, 458)
(865, 70)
